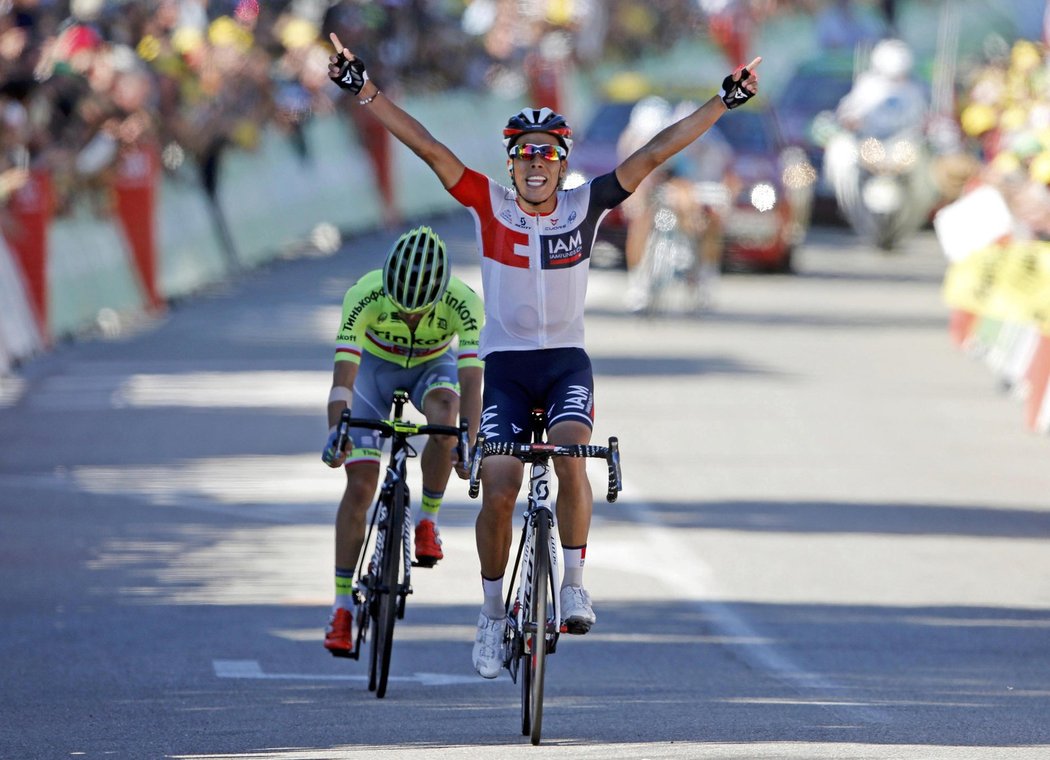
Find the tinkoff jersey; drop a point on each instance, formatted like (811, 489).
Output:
(534, 267)
(371, 322)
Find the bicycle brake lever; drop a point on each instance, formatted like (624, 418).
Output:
(344, 431)
(475, 467)
(615, 477)
(462, 444)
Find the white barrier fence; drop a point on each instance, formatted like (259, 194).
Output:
(272, 198)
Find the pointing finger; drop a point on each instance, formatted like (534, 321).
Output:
(335, 41)
(751, 66)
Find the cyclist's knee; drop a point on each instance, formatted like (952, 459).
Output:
(500, 492)
(498, 505)
(566, 433)
(572, 476)
(444, 443)
(361, 482)
(441, 406)
(500, 483)
(570, 468)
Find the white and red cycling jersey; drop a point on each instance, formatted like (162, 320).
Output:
(534, 266)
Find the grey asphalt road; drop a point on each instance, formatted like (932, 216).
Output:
(832, 541)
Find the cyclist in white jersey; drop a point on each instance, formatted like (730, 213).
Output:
(535, 240)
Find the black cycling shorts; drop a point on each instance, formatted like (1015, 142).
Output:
(557, 380)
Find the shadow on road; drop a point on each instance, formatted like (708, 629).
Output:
(116, 601)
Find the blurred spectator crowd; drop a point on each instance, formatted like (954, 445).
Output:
(1005, 112)
(83, 80)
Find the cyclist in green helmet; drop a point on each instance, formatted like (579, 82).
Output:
(408, 325)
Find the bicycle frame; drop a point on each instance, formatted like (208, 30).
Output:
(388, 580)
(396, 476)
(539, 508)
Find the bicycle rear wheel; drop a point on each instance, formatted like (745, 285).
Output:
(535, 635)
(388, 587)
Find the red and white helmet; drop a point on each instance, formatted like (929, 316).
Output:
(538, 120)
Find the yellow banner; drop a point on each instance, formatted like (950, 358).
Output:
(1009, 282)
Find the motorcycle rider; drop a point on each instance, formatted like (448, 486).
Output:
(886, 98)
(878, 161)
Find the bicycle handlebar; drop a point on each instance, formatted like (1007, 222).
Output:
(538, 452)
(389, 428)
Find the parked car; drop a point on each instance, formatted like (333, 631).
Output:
(769, 205)
(772, 204)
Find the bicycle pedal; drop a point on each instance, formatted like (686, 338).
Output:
(575, 627)
(425, 562)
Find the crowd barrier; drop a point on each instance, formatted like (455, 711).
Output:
(999, 291)
(155, 236)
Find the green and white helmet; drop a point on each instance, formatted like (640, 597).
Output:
(416, 271)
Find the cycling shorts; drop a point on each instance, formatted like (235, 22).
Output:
(558, 380)
(374, 387)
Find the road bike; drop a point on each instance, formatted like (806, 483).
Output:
(533, 607)
(385, 583)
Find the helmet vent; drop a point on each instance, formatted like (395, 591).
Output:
(416, 271)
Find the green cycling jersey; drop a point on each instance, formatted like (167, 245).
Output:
(372, 323)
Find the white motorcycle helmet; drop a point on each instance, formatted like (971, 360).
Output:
(892, 59)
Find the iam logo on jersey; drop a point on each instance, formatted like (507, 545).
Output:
(561, 251)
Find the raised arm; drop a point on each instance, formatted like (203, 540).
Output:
(737, 89)
(348, 71)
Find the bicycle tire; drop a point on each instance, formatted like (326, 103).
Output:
(373, 604)
(536, 635)
(389, 587)
(373, 617)
(525, 673)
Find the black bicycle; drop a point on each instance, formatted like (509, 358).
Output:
(533, 608)
(384, 585)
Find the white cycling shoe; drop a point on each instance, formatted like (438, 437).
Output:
(488, 645)
(576, 613)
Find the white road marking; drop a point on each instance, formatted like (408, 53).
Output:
(251, 669)
(681, 568)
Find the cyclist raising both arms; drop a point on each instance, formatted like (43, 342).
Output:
(535, 240)
(398, 326)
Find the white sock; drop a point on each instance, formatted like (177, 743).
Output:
(493, 592)
(574, 557)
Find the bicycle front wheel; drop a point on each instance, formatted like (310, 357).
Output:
(535, 649)
(388, 587)
(658, 271)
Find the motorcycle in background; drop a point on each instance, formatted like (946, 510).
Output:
(882, 183)
(877, 157)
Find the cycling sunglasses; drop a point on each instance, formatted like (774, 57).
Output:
(530, 151)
